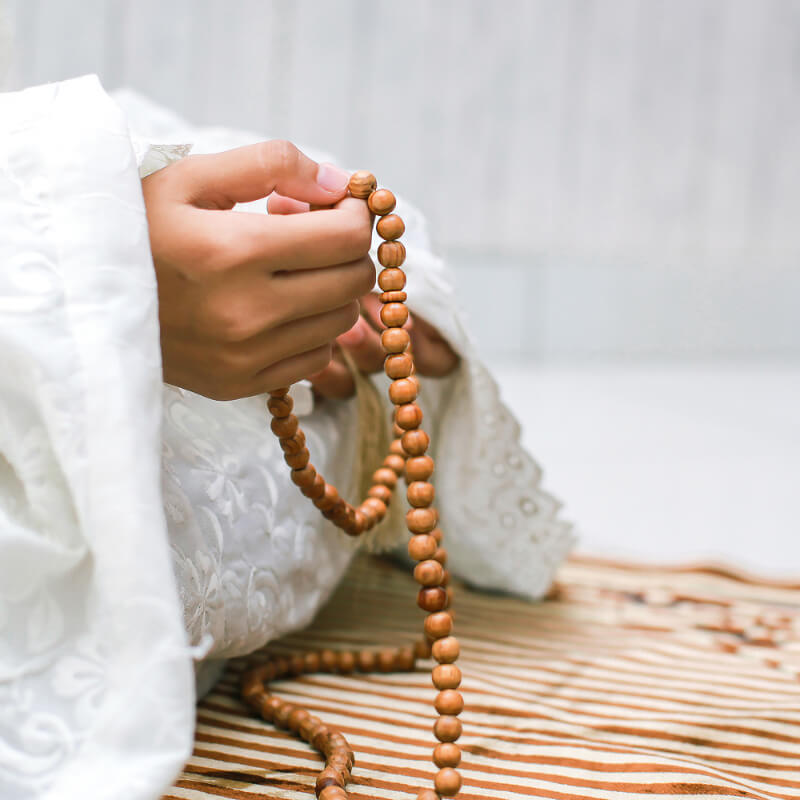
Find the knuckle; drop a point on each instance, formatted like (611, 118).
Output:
(320, 359)
(229, 321)
(279, 155)
(365, 276)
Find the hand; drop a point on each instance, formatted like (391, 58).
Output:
(251, 302)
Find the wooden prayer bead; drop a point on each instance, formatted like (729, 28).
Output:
(437, 534)
(392, 279)
(296, 665)
(327, 661)
(296, 719)
(284, 427)
(428, 573)
(366, 660)
(422, 649)
(383, 493)
(280, 406)
(397, 432)
(445, 575)
(419, 468)
(445, 651)
(395, 463)
(449, 703)
(393, 297)
(345, 661)
(447, 754)
(311, 662)
(294, 443)
(431, 598)
(385, 476)
(269, 705)
(441, 556)
(381, 202)
(420, 494)
(398, 366)
(279, 392)
(427, 794)
(403, 390)
(316, 490)
(407, 416)
(447, 782)
(438, 625)
(370, 514)
(447, 729)
(391, 254)
(319, 738)
(404, 659)
(395, 340)
(390, 227)
(393, 315)
(333, 793)
(309, 726)
(362, 184)
(297, 460)
(421, 520)
(328, 499)
(377, 505)
(281, 715)
(304, 477)
(415, 443)
(386, 659)
(421, 547)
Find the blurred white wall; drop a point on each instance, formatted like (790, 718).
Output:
(609, 177)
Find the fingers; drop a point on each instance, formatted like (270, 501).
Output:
(433, 356)
(363, 344)
(278, 204)
(249, 173)
(335, 381)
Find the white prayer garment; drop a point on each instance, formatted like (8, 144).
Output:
(144, 528)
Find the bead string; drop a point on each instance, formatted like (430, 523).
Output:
(406, 458)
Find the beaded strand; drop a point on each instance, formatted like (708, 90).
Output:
(407, 458)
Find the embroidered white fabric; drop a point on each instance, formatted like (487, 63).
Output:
(133, 514)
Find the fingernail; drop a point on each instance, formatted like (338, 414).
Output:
(354, 335)
(331, 178)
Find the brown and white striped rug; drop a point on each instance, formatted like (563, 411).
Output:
(628, 681)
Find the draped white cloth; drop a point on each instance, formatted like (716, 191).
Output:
(143, 526)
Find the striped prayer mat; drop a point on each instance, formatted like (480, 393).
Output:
(627, 681)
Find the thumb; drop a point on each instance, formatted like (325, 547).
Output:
(249, 173)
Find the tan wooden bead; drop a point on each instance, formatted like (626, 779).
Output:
(394, 315)
(441, 556)
(427, 794)
(297, 664)
(428, 573)
(449, 702)
(391, 254)
(281, 716)
(446, 573)
(398, 365)
(447, 729)
(311, 662)
(420, 494)
(403, 390)
(319, 738)
(333, 793)
(293, 444)
(390, 227)
(283, 427)
(396, 447)
(385, 476)
(252, 687)
(393, 297)
(338, 761)
(415, 443)
(438, 625)
(431, 598)
(397, 431)
(304, 478)
(281, 666)
(419, 468)
(378, 506)
(450, 598)
(329, 776)
(446, 676)
(386, 659)
(447, 754)
(392, 279)
(383, 493)
(309, 727)
(269, 706)
(408, 416)
(362, 184)
(422, 649)
(370, 514)
(447, 782)
(296, 719)
(404, 659)
(327, 661)
(421, 520)
(317, 489)
(395, 340)
(395, 462)
(437, 534)
(446, 650)
(381, 202)
(329, 498)
(279, 392)
(345, 662)
(366, 660)
(421, 547)
(280, 406)
(297, 460)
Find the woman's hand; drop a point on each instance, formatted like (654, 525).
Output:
(252, 302)
(433, 356)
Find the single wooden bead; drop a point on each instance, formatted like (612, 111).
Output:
(428, 573)
(362, 184)
(437, 534)
(420, 494)
(446, 676)
(418, 468)
(393, 297)
(386, 659)
(421, 546)
(391, 254)
(359, 523)
(283, 427)
(311, 662)
(438, 625)
(397, 432)
(407, 416)
(450, 599)
(281, 716)
(447, 729)
(338, 761)
(293, 444)
(415, 443)
(297, 718)
(427, 794)
(445, 574)
(395, 340)
(398, 365)
(319, 738)
(446, 650)
(316, 490)
(390, 227)
(447, 782)
(381, 202)
(395, 462)
(377, 505)
(269, 706)
(281, 666)
(441, 556)
(297, 664)
(327, 661)
(252, 686)
(333, 793)
(421, 520)
(385, 476)
(304, 478)
(449, 703)
(447, 754)
(366, 660)
(280, 406)
(309, 726)
(381, 492)
(422, 649)
(279, 392)
(404, 660)
(392, 279)
(396, 448)
(370, 515)
(329, 498)
(345, 662)
(297, 460)
(337, 512)
(431, 598)
(402, 391)
(393, 315)
(329, 777)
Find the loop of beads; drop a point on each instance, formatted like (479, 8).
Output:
(407, 458)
